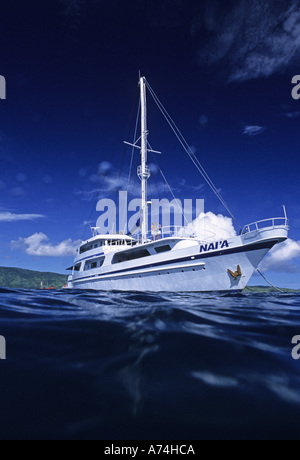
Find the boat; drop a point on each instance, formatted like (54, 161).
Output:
(43, 288)
(166, 259)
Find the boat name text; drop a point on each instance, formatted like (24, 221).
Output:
(214, 246)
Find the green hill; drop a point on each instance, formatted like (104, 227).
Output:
(266, 289)
(18, 278)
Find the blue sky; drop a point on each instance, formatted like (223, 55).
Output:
(224, 74)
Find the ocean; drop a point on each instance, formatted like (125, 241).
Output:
(134, 366)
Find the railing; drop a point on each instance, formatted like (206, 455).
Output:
(181, 232)
(170, 232)
(176, 232)
(264, 224)
(143, 175)
(166, 232)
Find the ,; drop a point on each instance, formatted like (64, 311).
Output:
(174, 259)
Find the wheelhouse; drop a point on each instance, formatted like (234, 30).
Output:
(103, 241)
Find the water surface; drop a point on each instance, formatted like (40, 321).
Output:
(116, 366)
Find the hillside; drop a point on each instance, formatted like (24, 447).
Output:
(266, 289)
(17, 278)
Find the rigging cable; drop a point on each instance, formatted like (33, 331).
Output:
(277, 289)
(170, 189)
(188, 150)
(155, 181)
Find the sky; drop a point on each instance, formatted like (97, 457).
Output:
(224, 72)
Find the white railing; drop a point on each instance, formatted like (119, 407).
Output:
(176, 232)
(165, 232)
(265, 224)
(170, 232)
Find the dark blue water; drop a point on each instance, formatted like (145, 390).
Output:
(118, 366)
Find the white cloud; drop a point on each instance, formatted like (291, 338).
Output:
(210, 225)
(282, 257)
(104, 167)
(87, 195)
(109, 181)
(11, 217)
(253, 130)
(257, 38)
(39, 245)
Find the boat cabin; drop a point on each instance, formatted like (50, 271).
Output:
(106, 241)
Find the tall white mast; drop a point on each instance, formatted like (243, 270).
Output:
(143, 170)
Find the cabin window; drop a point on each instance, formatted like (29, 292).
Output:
(116, 242)
(86, 248)
(95, 263)
(125, 256)
(77, 267)
(160, 249)
(89, 247)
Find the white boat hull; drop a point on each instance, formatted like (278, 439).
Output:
(193, 269)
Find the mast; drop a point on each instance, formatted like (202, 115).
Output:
(143, 170)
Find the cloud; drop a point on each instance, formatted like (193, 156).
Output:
(257, 39)
(110, 181)
(39, 245)
(10, 217)
(87, 195)
(212, 226)
(108, 185)
(282, 257)
(253, 130)
(104, 167)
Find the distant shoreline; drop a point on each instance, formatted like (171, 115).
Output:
(19, 278)
(269, 289)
